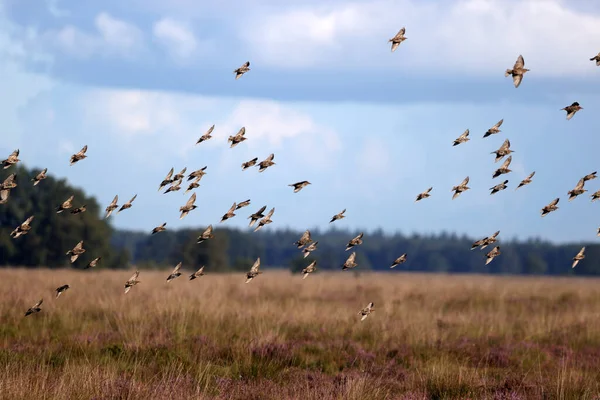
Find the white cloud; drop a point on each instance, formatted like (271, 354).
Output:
(471, 36)
(176, 37)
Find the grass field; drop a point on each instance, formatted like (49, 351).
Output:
(280, 337)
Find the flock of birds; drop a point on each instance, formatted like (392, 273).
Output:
(305, 242)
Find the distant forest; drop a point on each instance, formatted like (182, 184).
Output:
(53, 234)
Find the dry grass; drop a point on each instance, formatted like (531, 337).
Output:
(280, 337)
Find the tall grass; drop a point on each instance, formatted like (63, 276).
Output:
(279, 337)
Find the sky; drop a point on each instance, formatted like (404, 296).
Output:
(140, 81)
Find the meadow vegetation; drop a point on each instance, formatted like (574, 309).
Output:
(279, 337)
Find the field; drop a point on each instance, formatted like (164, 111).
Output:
(281, 337)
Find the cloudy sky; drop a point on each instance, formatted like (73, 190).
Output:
(140, 81)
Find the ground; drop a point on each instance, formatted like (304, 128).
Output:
(281, 337)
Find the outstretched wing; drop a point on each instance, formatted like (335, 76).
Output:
(464, 182)
(177, 268)
(520, 63)
(255, 266)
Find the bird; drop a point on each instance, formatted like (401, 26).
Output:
(9, 183)
(498, 187)
(197, 274)
(518, 71)
(194, 185)
(189, 206)
(175, 186)
(4, 195)
(266, 163)
(503, 168)
(486, 241)
(35, 309)
(578, 257)
(127, 205)
(577, 190)
(495, 252)
(309, 249)
(160, 228)
(76, 251)
(366, 311)
(550, 207)
(244, 203)
(79, 210)
(206, 235)
(230, 213)
(132, 281)
(22, 229)
(312, 267)
(237, 138)
(589, 177)
(596, 58)
(494, 129)
(266, 220)
(61, 289)
(304, 239)
(111, 207)
(424, 194)
(67, 204)
(526, 181)
(206, 136)
(80, 155)
(93, 263)
(249, 164)
(572, 109)
(197, 174)
(399, 260)
(257, 215)
(462, 138)
(242, 70)
(254, 271)
(298, 186)
(168, 179)
(175, 273)
(12, 159)
(399, 38)
(504, 150)
(462, 187)
(338, 216)
(350, 262)
(39, 177)
(355, 241)
(596, 195)
(180, 175)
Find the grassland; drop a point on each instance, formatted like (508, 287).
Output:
(280, 337)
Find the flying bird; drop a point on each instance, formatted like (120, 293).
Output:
(589, 177)
(503, 168)
(111, 207)
(366, 311)
(168, 179)
(486, 241)
(132, 281)
(550, 207)
(504, 150)
(160, 228)
(35, 309)
(572, 109)
(355, 241)
(4, 195)
(266, 163)
(230, 213)
(350, 262)
(309, 249)
(194, 185)
(76, 251)
(312, 267)
(495, 252)
(596, 58)
(596, 195)
(39, 177)
(80, 155)
(22, 229)
(424, 194)
(526, 181)
(197, 174)
(61, 289)
(175, 273)
(206, 235)
(462, 187)
(494, 129)
(79, 210)
(9, 183)
(127, 205)
(249, 164)
(298, 186)
(517, 72)
(237, 138)
(197, 274)
(399, 38)
(257, 215)
(180, 175)
(244, 203)
(254, 271)
(12, 159)
(304, 239)
(175, 186)
(242, 70)
(189, 206)
(206, 136)
(399, 260)
(93, 263)
(462, 138)
(577, 190)
(67, 204)
(498, 187)
(578, 257)
(266, 220)
(338, 216)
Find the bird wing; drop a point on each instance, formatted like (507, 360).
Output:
(351, 258)
(241, 132)
(580, 184)
(114, 202)
(271, 157)
(531, 175)
(520, 63)
(232, 209)
(554, 202)
(498, 123)
(177, 268)
(191, 200)
(464, 134)
(83, 150)
(464, 182)
(505, 146)
(132, 199)
(9, 180)
(170, 174)
(28, 220)
(39, 303)
(78, 246)
(506, 162)
(208, 230)
(270, 214)
(255, 266)
(517, 80)
(134, 276)
(400, 33)
(581, 252)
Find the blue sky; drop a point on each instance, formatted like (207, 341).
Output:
(140, 81)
